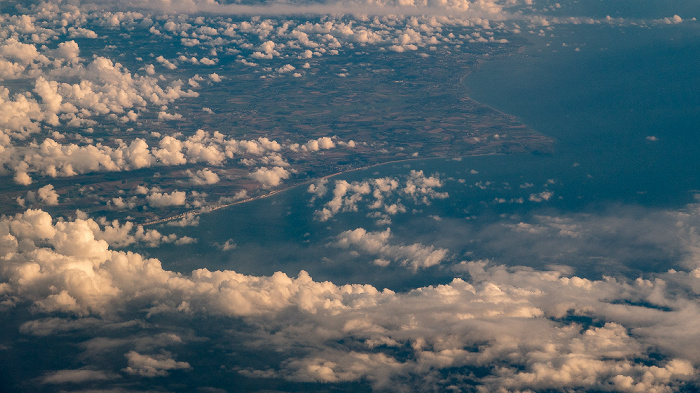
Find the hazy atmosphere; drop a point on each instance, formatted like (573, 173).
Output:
(316, 196)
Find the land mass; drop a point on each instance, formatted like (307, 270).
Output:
(376, 109)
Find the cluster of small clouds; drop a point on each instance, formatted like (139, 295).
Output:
(474, 7)
(157, 198)
(119, 235)
(494, 10)
(54, 159)
(384, 195)
(65, 89)
(103, 88)
(45, 195)
(261, 42)
(415, 256)
(400, 26)
(524, 329)
(537, 197)
(282, 45)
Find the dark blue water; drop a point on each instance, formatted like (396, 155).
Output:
(625, 108)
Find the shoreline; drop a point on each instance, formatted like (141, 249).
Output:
(461, 79)
(197, 212)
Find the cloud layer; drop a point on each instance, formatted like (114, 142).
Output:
(524, 329)
(85, 291)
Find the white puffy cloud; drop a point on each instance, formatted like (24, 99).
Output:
(270, 177)
(415, 256)
(169, 116)
(158, 199)
(80, 32)
(166, 63)
(108, 88)
(185, 240)
(481, 8)
(227, 246)
(103, 87)
(670, 21)
(18, 115)
(48, 195)
(266, 51)
(22, 178)
(286, 68)
(203, 176)
(51, 158)
(75, 271)
(345, 198)
(422, 188)
(322, 143)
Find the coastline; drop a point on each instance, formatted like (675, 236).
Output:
(464, 97)
(209, 209)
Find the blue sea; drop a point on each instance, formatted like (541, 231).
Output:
(622, 103)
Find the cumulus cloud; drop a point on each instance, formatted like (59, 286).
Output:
(54, 159)
(175, 198)
(381, 195)
(415, 256)
(109, 89)
(169, 116)
(323, 143)
(270, 177)
(166, 63)
(45, 195)
(105, 88)
(525, 329)
(670, 21)
(125, 234)
(48, 195)
(83, 276)
(203, 176)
